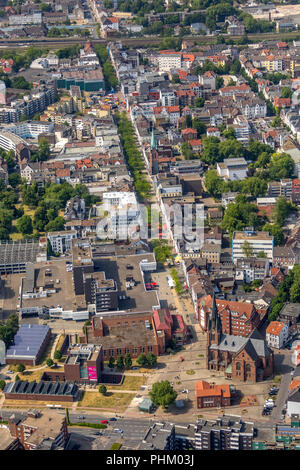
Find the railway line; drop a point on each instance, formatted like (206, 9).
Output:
(141, 41)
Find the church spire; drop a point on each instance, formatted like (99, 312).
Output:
(214, 322)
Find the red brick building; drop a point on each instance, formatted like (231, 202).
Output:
(173, 326)
(209, 396)
(237, 318)
(245, 359)
(120, 334)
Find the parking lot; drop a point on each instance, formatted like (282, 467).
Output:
(64, 295)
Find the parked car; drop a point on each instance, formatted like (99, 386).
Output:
(80, 417)
(112, 419)
(118, 430)
(104, 421)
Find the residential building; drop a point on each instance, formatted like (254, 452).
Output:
(226, 433)
(237, 318)
(276, 334)
(257, 242)
(61, 241)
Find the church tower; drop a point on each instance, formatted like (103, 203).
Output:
(214, 331)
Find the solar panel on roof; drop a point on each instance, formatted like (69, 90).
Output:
(28, 340)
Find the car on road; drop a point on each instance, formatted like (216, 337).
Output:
(185, 390)
(104, 421)
(80, 417)
(97, 433)
(112, 419)
(135, 368)
(283, 411)
(118, 430)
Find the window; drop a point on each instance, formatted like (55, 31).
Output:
(238, 366)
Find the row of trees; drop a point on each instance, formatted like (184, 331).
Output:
(133, 156)
(126, 363)
(109, 74)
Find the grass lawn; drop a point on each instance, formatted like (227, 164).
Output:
(37, 374)
(31, 403)
(60, 342)
(114, 401)
(130, 382)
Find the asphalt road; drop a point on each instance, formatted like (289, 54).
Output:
(284, 367)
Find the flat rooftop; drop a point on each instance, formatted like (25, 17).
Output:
(47, 425)
(64, 294)
(115, 267)
(28, 341)
(131, 335)
(252, 236)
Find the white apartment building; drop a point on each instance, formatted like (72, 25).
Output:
(169, 60)
(259, 241)
(61, 241)
(30, 129)
(122, 208)
(277, 334)
(9, 141)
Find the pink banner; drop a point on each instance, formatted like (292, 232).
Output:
(92, 373)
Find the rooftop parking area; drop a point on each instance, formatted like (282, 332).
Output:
(116, 268)
(64, 295)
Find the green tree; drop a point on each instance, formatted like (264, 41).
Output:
(44, 150)
(120, 362)
(213, 183)
(14, 179)
(199, 102)
(2, 384)
(20, 368)
(111, 362)
(142, 360)
(49, 362)
(57, 355)
(151, 359)
(247, 249)
(24, 225)
(286, 92)
(163, 394)
(128, 361)
(102, 389)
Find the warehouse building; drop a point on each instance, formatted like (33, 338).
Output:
(29, 344)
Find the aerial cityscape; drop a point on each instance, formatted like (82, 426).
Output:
(149, 226)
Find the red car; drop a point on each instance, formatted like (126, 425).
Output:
(104, 421)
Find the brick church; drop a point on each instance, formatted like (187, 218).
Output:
(247, 359)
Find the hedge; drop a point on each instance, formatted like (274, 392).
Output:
(90, 425)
